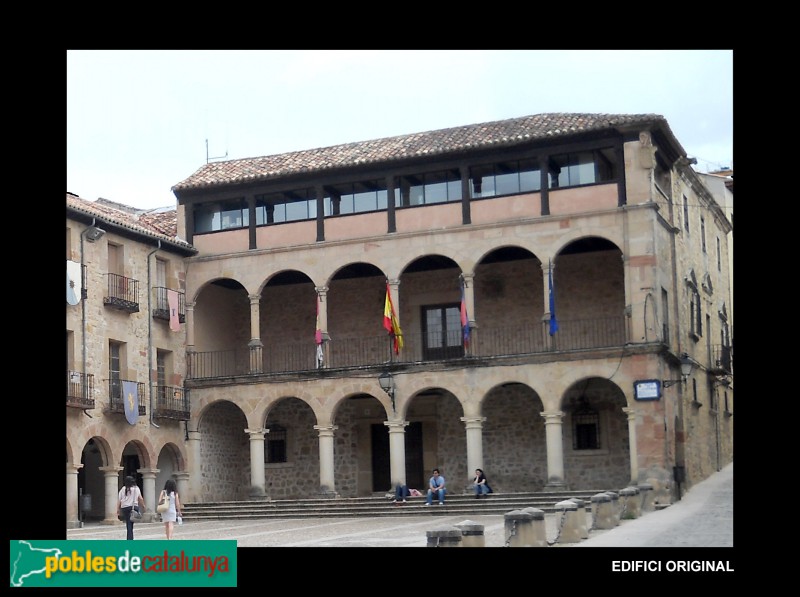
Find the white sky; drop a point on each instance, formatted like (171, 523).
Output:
(141, 121)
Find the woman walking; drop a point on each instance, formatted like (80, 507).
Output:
(129, 496)
(170, 493)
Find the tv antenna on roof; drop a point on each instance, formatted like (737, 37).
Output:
(221, 157)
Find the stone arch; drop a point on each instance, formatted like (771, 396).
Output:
(513, 435)
(595, 434)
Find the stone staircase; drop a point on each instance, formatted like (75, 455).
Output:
(455, 505)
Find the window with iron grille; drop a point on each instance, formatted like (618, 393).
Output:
(275, 445)
(585, 428)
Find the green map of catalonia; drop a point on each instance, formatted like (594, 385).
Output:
(27, 560)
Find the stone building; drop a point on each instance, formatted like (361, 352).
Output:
(545, 280)
(126, 358)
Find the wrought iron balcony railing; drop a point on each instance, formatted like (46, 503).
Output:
(116, 396)
(122, 293)
(170, 403)
(162, 309)
(344, 352)
(721, 360)
(80, 390)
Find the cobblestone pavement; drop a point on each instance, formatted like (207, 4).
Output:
(702, 518)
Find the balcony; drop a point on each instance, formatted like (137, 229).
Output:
(123, 293)
(161, 310)
(721, 360)
(355, 352)
(171, 403)
(116, 397)
(80, 390)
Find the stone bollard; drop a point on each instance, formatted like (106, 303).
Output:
(648, 497)
(615, 506)
(602, 512)
(568, 522)
(444, 537)
(525, 528)
(583, 517)
(471, 534)
(631, 502)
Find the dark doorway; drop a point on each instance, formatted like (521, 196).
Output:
(381, 467)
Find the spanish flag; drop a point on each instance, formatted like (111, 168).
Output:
(390, 322)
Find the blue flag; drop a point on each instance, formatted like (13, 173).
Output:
(130, 398)
(553, 322)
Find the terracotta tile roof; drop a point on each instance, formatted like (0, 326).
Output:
(500, 133)
(161, 224)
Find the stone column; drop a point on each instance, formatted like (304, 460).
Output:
(193, 450)
(634, 452)
(189, 324)
(322, 302)
(149, 492)
(111, 482)
(469, 297)
(182, 481)
(474, 426)
(327, 485)
(73, 505)
(255, 345)
(257, 461)
(397, 451)
(546, 269)
(555, 449)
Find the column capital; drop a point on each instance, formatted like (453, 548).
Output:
(148, 473)
(324, 430)
(110, 470)
(257, 433)
(73, 468)
(396, 426)
(181, 475)
(630, 412)
(552, 416)
(394, 282)
(473, 422)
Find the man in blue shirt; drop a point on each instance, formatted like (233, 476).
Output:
(436, 486)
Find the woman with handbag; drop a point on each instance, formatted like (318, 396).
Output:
(129, 496)
(169, 505)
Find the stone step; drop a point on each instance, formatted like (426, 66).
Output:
(495, 503)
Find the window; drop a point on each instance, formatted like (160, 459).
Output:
(114, 371)
(222, 215)
(288, 206)
(585, 426)
(275, 445)
(356, 197)
(695, 312)
(665, 316)
(162, 372)
(703, 233)
(442, 332)
(506, 178)
(719, 256)
(686, 214)
(586, 167)
(429, 188)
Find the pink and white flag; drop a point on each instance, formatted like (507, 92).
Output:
(174, 304)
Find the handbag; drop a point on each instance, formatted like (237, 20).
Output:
(163, 504)
(136, 514)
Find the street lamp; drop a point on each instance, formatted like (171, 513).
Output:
(386, 380)
(687, 366)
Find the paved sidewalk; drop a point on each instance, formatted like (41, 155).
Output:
(702, 518)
